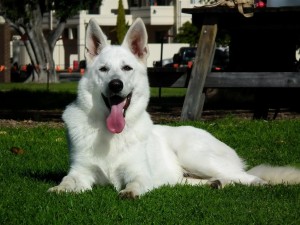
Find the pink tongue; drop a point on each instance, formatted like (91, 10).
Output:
(115, 122)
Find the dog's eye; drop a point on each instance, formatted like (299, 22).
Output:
(126, 68)
(103, 69)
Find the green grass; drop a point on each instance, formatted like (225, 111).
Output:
(31, 96)
(168, 92)
(70, 87)
(24, 180)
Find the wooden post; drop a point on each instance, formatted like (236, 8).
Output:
(194, 99)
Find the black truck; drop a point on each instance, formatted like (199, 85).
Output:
(186, 56)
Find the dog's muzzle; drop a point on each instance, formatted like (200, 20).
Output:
(117, 106)
(116, 100)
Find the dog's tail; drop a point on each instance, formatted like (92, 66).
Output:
(277, 174)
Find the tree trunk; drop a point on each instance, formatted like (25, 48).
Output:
(45, 62)
(51, 41)
(38, 49)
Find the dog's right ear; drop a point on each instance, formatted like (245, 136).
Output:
(95, 40)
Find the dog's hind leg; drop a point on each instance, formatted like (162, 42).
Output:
(239, 178)
(220, 182)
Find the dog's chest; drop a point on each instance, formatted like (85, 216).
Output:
(116, 163)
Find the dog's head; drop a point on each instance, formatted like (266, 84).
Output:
(117, 75)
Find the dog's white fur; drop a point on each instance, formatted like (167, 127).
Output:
(141, 156)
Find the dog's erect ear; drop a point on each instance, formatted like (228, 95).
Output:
(136, 40)
(95, 40)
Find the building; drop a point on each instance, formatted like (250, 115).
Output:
(161, 17)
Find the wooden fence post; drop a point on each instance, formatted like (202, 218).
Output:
(194, 99)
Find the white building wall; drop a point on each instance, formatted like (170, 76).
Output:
(81, 27)
(108, 5)
(59, 54)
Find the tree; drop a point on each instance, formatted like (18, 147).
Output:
(188, 33)
(25, 17)
(121, 23)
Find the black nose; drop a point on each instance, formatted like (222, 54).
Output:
(115, 85)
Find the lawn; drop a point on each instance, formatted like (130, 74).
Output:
(71, 87)
(25, 178)
(56, 87)
(31, 96)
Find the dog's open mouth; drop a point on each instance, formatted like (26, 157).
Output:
(117, 105)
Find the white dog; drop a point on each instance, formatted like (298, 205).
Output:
(113, 141)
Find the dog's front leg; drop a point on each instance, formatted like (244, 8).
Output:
(73, 182)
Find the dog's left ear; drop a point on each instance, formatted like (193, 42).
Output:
(136, 40)
(95, 40)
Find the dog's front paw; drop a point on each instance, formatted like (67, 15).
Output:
(60, 189)
(69, 184)
(127, 194)
(64, 188)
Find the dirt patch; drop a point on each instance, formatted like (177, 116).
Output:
(29, 123)
(160, 115)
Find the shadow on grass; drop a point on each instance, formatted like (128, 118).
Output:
(47, 177)
(34, 105)
(44, 105)
(30, 100)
